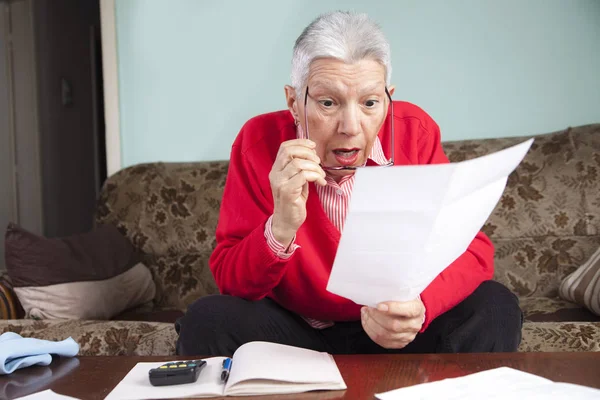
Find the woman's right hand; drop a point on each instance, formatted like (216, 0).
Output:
(296, 164)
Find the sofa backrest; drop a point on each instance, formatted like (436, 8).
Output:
(169, 211)
(548, 220)
(546, 224)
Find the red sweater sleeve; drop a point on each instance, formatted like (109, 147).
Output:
(468, 271)
(242, 263)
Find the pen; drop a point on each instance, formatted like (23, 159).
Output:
(226, 369)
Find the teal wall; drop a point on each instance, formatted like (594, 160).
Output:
(191, 72)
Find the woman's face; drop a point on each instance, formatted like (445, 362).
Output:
(346, 108)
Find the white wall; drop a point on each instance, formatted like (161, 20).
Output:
(192, 72)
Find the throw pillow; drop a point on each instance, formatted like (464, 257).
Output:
(94, 275)
(583, 285)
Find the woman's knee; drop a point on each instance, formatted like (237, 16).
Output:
(497, 296)
(503, 315)
(214, 306)
(206, 322)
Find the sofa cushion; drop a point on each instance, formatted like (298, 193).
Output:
(583, 285)
(94, 275)
(560, 336)
(181, 279)
(158, 339)
(535, 266)
(108, 338)
(545, 309)
(88, 300)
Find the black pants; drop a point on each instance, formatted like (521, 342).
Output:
(489, 320)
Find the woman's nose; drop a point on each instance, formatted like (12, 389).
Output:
(350, 122)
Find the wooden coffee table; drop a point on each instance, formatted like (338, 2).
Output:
(365, 375)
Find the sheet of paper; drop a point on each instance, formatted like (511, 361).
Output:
(137, 386)
(47, 395)
(498, 383)
(551, 391)
(406, 224)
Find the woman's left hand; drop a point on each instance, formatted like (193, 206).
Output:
(393, 324)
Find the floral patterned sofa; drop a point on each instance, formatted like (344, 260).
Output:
(546, 224)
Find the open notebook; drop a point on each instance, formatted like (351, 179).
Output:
(257, 368)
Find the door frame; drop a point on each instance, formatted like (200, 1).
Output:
(8, 176)
(23, 125)
(110, 71)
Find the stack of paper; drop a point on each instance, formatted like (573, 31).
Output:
(406, 224)
(495, 384)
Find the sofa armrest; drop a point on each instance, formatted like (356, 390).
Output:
(10, 307)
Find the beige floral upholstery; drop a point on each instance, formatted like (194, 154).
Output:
(560, 336)
(158, 338)
(545, 225)
(113, 338)
(548, 219)
(170, 212)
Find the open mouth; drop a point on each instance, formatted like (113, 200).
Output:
(346, 157)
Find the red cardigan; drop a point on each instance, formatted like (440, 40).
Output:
(243, 264)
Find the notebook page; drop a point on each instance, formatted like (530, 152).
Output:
(498, 381)
(267, 387)
(137, 386)
(270, 362)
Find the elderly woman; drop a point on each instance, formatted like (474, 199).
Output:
(289, 184)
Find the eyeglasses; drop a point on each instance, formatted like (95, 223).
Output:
(344, 167)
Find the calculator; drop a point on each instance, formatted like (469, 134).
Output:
(176, 373)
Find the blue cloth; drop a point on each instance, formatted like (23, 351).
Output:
(19, 352)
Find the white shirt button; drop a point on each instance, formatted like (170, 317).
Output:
(339, 192)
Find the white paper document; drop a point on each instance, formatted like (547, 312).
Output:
(406, 224)
(47, 395)
(495, 384)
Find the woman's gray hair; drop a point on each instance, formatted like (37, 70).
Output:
(347, 36)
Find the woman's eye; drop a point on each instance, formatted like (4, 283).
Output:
(370, 103)
(327, 103)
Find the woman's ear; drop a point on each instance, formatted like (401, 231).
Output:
(392, 89)
(290, 98)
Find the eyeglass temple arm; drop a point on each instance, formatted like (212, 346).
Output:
(392, 124)
(305, 114)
